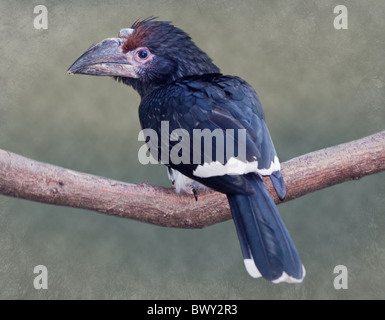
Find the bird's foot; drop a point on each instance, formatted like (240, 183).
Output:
(195, 193)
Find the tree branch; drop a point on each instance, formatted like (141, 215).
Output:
(21, 177)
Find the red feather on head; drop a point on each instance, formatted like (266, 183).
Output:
(142, 29)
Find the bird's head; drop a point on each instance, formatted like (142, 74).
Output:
(147, 54)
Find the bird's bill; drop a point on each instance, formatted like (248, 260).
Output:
(105, 59)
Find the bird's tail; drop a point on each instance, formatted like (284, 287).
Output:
(267, 248)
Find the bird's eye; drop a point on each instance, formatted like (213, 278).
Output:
(143, 53)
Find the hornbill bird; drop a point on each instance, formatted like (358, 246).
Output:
(179, 84)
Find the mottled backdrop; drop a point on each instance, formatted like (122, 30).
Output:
(319, 87)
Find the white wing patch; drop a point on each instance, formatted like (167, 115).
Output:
(234, 167)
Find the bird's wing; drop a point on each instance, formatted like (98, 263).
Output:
(221, 102)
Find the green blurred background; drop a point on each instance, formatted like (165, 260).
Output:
(319, 87)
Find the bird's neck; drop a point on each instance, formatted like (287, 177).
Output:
(143, 88)
(153, 83)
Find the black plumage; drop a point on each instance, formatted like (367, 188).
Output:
(179, 85)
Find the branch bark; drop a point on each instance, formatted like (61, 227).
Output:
(21, 177)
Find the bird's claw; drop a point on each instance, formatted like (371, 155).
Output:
(195, 193)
